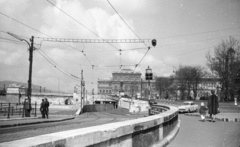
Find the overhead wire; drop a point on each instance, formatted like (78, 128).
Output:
(79, 22)
(56, 65)
(124, 21)
(36, 31)
(196, 41)
(183, 35)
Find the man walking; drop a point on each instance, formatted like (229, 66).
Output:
(213, 105)
(46, 107)
(42, 108)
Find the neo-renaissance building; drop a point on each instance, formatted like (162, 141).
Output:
(128, 82)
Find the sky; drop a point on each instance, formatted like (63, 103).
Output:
(185, 31)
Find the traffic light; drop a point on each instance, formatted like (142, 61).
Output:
(154, 42)
(148, 76)
(83, 83)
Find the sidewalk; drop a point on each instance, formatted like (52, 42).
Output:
(19, 121)
(227, 117)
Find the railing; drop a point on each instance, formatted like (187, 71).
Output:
(171, 102)
(15, 110)
(157, 109)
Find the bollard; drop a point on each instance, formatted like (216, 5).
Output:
(8, 110)
(35, 109)
(235, 101)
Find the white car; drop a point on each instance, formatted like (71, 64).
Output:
(188, 106)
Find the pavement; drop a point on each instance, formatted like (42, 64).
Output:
(224, 132)
(226, 117)
(56, 117)
(195, 133)
(19, 121)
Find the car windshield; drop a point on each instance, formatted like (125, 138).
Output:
(186, 103)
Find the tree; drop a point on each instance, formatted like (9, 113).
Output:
(188, 79)
(224, 63)
(163, 85)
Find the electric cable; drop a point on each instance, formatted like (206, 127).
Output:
(78, 22)
(34, 30)
(124, 21)
(57, 66)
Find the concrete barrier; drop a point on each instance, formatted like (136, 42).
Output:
(134, 106)
(98, 108)
(156, 130)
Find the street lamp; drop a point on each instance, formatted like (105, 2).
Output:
(30, 68)
(149, 77)
(230, 52)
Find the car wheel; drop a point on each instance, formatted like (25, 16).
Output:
(189, 111)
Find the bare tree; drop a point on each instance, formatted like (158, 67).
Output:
(224, 63)
(188, 79)
(163, 85)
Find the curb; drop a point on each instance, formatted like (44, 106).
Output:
(217, 118)
(38, 122)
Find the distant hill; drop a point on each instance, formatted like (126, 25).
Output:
(35, 88)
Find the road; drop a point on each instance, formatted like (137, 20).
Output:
(195, 133)
(81, 121)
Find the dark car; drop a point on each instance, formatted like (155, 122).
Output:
(203, 98)
(152, 101)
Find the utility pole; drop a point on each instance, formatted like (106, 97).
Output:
(81, 89)
(29, 92)
(30, 73)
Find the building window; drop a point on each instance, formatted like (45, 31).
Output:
(103, 91)
(100, 91)
(106, 91)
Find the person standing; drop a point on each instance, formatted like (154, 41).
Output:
(46, 107)
(203, 111)
(213, 105)
(42, 108)
(27, 107)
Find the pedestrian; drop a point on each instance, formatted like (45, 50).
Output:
(42, 108)
(27, 107)
(47, 107)
(213, 105)
(203, 111)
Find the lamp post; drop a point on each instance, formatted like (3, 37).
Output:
(230, 53)
(148, 76)
(31, 48)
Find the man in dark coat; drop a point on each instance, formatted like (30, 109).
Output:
(213, 105)
(42, 108)
(27, 107)
(46, 107)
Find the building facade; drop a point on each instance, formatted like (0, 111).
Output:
(126, 82)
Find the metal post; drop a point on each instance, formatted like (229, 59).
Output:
(22, 110)
(8, 110)
(149, 95)
(30, 73)
(81, 89)
(35, 109)
(141, 89)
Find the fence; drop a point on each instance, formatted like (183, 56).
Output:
(16, 110)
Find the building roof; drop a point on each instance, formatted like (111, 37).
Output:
(126, 71)
(16, 86)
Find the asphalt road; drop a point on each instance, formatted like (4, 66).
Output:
(195, 133)
(84, 120)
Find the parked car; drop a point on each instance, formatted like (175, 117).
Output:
(188, 106)
(203, 98)
(152, 101)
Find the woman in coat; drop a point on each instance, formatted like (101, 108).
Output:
(213, 105)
